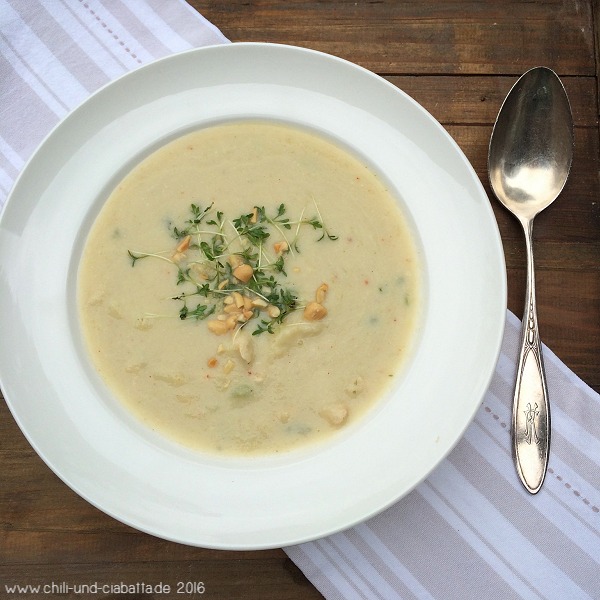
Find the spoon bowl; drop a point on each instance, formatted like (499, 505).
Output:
(531, 148)
(529, 160)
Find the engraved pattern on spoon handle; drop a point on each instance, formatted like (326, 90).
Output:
(531, 409)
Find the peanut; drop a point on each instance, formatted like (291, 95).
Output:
(280, 247)
(244, 272)
(273, 311)
(238, 299)
(235, 260)
(184, 244)
(199, 271)
(217, 327)
(314, 311)
(259, 303)
(244, 315)
(335, 414)
(321, 293)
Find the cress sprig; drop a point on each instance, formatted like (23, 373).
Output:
(210, 245)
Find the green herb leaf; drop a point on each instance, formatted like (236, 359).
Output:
(200, 312)
(211, 249)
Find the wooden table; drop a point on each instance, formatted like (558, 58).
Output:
(458, 59)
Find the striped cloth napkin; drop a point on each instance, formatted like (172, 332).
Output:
(469, 530)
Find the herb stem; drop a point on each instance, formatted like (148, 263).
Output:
(212, 251)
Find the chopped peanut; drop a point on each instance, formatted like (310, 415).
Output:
(231, 321)
(280, 247)
(238, 299)
(335, 414)
(184, 244)
(259, 303)
(228, 366)
(244, 272)
(273, 311)
(200, 271)
(228, 300)
(321, 293)
(235, 260)
(254, 217)
(223, 284)
(231, 308)
(314, 311)
(217, 327)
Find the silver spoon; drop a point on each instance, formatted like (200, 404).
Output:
(529, 160)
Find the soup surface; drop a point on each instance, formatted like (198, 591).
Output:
(249, 288)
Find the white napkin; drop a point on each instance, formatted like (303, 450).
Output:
(469, 530)
(55, 53)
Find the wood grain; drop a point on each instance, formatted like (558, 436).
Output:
(391, 37)
(458, 59)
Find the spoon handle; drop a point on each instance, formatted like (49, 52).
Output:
(531, 409)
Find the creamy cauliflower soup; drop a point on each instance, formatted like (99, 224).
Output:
(249, 288)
